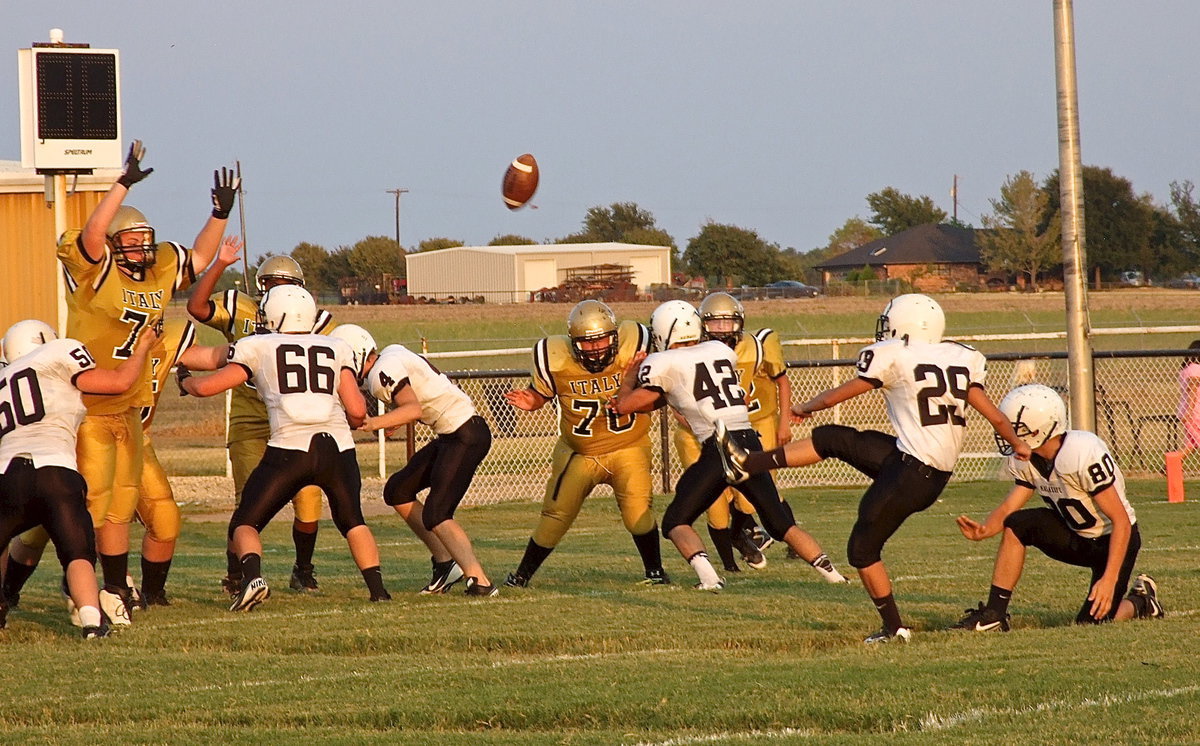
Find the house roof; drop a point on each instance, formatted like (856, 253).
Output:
(925, 244)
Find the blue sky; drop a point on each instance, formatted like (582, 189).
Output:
(777, 115)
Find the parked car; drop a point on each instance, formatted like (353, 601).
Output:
(790, 289)
(1187, 282)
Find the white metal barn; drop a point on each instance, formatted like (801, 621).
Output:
(506, 274)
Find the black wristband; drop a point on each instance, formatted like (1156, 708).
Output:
(221, 214)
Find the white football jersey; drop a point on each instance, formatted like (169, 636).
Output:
(40, 408)
(1082, 468)
(297, 376)
(925, 387)
(444, 406)
(701, 383)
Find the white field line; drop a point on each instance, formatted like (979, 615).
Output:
(752, 736)
(934, 722)
(571, 658)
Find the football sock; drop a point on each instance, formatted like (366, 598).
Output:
(251, 566)
(648, 547)
(374, 579)
(723, 543)
(704, 569)
(114, 568)
(233, 566)
(760, 461)
(740, 521)
(154, 575)
(889, 612)
(306, 543)
(998, 599)
(89, 616)
(535, 555)
(15, 575)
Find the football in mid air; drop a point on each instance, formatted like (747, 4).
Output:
(520, 181)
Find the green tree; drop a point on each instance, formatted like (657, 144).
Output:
(1118, 224)
(511, 239)
(374, 256)
(893, 211)
(1187, 213)
(436, 244)
(729, 254)
(615, 222)
(1014, 238)
(337, 267)
(311, 259)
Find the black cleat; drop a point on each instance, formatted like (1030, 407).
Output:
(303, 579)
(93, 633)
(1147, 588)
(982, 619)
(903, 634)
(381, 596)
(475, 588)
(733, 456)
(752, 555)
(656, 577)
(445, 574)
(231, 584)
(255, 592)
(155, 598)
(516, 580)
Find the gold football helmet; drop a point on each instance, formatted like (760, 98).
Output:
(591, 321)
(723, 318)
(131, 238)
(284, 270)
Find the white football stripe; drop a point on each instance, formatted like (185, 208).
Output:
(522, 167)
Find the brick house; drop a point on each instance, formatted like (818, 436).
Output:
(932, 257)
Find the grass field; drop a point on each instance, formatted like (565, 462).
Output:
(587, 656)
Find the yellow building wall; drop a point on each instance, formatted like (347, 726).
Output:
(28, 268)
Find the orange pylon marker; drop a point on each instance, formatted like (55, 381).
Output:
(1174, 463)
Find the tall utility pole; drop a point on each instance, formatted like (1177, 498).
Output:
(398, 192)
(1074, 247)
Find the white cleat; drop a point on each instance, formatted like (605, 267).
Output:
(253, 594)
(114, 607)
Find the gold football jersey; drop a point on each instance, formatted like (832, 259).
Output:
(585, 423)
(107, 310)
(235, 315)
(762, 393)
(177, 336)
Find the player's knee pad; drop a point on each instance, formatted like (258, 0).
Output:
(832, 441)
(671, 520)
(162, 519)
(1025, 525)
(436, 514)
(307, 504)
(863, 550)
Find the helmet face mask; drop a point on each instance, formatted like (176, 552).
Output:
(1037, 414)
(24, 337)
(278, 270)
(723, 318)
(592, 322)
(912, 317)
(131, 239)
(675, 322)
(287, 309)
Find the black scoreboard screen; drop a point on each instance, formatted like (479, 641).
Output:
(77, 96)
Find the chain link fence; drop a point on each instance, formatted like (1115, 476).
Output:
(1137, 399)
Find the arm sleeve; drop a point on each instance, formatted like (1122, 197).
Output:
(387, 377)
(773, 364)
(541, 379)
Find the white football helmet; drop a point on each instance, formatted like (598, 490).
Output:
(25, 336)
(674, 322)
(360, 341)
(287, 308)
(1036, 412)
(916, 317)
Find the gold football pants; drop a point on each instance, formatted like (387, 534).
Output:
(156, 507)
(688, 450)
(574, 476)
(245, 455)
